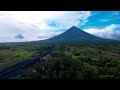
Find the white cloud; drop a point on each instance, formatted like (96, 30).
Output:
(40, 18)
(105, 20)
(34, 24)
(108, 32)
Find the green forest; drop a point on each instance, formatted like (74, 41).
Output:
(76, 61)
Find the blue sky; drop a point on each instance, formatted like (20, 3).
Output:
(102, 19)
(20, 26)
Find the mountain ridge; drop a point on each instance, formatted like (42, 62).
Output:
(73, 34)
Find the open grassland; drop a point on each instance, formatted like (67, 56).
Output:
(16, 54)
(19, 52)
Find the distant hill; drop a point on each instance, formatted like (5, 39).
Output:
(74, 34)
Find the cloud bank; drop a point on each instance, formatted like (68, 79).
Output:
(38, 25)
(108, 32)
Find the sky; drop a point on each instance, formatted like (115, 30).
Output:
(23, 26)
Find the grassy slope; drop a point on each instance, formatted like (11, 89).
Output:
(17, 54)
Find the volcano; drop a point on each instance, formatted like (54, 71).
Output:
(74, 34)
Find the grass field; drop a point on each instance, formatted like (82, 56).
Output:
(16, 54)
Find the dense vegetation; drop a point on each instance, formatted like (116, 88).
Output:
(79, 62)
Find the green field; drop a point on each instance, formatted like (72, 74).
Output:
(14, 53)
(17, 54)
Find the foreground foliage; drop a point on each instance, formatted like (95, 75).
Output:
(78, 62)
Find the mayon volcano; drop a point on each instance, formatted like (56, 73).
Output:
(74, 34)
